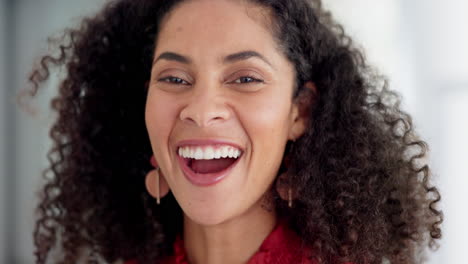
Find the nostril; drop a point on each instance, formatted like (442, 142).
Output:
(204, 117)
(189, 120)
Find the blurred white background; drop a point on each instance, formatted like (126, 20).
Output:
(421, 45)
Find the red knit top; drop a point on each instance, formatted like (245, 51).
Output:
(281, 246)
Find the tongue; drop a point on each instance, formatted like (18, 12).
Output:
(211, 166)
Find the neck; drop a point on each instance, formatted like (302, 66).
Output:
(232, 241)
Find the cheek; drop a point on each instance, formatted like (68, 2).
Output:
(267, 116)
(266, 121)
(160, 117)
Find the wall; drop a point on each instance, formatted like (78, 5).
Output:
(33, 22)
(421, 46)
(440, 49)
(3, 115)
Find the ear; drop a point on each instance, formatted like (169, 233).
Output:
(300, 110)
(152, 184)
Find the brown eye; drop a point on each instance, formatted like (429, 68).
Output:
(174, 80)
(247, 79)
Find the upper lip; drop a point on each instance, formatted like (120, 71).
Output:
(207, 142)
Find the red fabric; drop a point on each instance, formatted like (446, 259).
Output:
(282, 246)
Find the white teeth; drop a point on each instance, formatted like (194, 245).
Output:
(208, 153)
(224, 153)
(217, 154)
(198, 154)
(190, 152)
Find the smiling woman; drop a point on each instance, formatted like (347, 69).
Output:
(229, 132)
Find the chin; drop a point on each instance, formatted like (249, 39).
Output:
(208, 218)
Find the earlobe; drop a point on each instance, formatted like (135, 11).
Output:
(298, 126)
(301, 109)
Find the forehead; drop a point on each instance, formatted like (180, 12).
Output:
(219, 25)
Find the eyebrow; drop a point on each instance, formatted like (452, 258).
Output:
(245, 55)
(235, 57)
(171, 56)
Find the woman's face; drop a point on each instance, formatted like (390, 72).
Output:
(219, 87)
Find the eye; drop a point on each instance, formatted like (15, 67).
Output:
(174, 80)
(247, 79)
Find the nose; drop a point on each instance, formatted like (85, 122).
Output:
(205, 107)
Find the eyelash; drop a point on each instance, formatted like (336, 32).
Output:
(253, 80)
(180, 81)
(174, 80)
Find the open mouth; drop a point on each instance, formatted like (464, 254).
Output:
(209, 166)
(206, 165)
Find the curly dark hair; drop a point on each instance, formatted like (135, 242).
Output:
(363, 185)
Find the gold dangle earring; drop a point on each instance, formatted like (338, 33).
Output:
(156, 174)
(283, 183)
(155, 182)
(158, 196)
(287, 161)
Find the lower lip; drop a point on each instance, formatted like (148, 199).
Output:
(204, 179)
